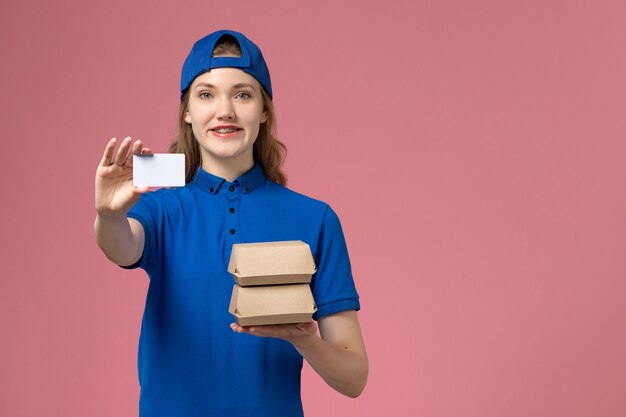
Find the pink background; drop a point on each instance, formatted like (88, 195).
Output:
(474, 151)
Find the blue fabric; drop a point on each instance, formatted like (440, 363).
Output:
(200, 60)
(190, 362)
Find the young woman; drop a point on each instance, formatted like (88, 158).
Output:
(193, 359)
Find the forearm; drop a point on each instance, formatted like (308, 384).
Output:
(114, 236)
(343, 369)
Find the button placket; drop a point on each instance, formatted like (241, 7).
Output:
(233, 198)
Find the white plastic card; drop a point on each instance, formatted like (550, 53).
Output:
(159, 170)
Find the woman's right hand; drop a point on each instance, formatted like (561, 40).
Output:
(115, 192)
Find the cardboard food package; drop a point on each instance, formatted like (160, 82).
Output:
(272, 283)
(272, 304)
(268, 263)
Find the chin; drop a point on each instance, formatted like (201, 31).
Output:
(226, 155)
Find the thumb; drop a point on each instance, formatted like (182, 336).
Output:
(140, 190)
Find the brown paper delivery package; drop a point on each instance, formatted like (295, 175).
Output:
(272, 282)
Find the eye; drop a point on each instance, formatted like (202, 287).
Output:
(244, 95)
(202, 94)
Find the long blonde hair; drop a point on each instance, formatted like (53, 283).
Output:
(268, 151)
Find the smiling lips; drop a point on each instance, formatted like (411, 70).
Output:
(225, 131)
(225, 128)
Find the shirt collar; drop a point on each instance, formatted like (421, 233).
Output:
(212, 183)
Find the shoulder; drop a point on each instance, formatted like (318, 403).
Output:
(297, 200)
(317, 213)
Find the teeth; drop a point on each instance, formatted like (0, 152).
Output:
(225, 130)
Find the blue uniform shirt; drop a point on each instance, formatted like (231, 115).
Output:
(190, 362)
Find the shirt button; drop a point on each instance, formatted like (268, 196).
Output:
(211, 189)
(232, 210)
(231, 231)
(247, 188)
(231, 188)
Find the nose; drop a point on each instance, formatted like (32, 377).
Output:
(225, 109)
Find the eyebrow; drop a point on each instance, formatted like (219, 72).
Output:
(239, 85)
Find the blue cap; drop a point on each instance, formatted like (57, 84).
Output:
(200, 60)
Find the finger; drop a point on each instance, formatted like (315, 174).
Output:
(146, 151)
(239, 329)
(122, 152)
(135, 151)
(108, 153)
(127, 154)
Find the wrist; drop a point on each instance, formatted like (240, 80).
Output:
(111, 215)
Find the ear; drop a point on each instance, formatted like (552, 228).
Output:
(264, 116)
(187, 117)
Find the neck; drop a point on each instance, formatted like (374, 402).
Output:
(230, 169)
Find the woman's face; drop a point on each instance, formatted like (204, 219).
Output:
(230, 98)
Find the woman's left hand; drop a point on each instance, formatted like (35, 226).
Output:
(293, 333)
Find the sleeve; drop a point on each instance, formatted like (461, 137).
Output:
(146, 211)
(333, 285)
